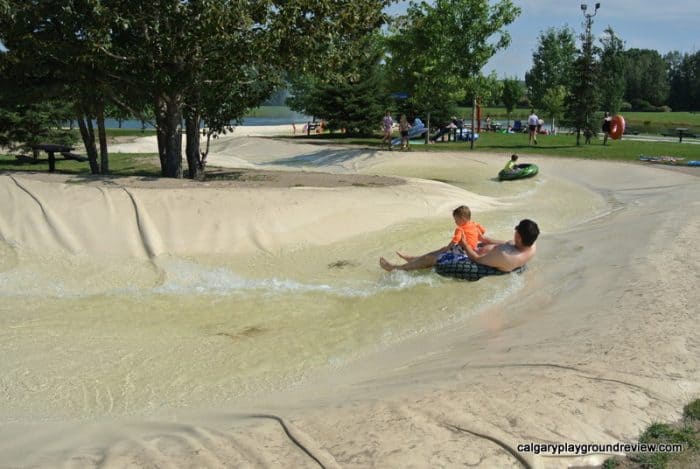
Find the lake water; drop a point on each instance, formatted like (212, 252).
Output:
(288, 118)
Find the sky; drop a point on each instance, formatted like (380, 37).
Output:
(664, 26)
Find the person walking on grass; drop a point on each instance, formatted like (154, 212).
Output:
(607, 124)
(403, 130)
(532, 122)
(387, 127)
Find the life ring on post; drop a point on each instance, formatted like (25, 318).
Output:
(617, 127)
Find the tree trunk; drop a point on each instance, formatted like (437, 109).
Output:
(192, 147)
(88, 135)
(471, 144)
(104, 154)
(168, 119)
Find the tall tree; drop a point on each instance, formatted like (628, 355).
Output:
(646, 76)
(684, 78)
(437, 50)
(178, 44)
(612, 71)
(511, 94)
(582, 102)
(552, 63)
(351, 96)
(55, 52)
(554, 103)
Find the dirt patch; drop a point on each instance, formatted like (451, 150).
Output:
(228, 178)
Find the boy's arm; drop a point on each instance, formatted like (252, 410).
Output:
(473, 255)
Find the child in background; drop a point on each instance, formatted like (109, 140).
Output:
(511, 165)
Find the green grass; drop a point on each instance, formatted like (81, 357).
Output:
(502, 145)
(548, 145)
(121, 164)
(645, 122)
(686, 433)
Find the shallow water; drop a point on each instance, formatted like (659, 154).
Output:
(86, 337)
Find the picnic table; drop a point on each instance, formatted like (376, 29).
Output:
(52, 148)
(682, 131)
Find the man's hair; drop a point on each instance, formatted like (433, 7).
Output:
(463, 212)
(513, 157)
(529, 231)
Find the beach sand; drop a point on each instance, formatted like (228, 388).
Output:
(602, 340)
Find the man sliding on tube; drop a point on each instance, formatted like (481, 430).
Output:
(501, 255)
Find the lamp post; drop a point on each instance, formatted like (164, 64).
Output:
(589, 18)
(588, 78)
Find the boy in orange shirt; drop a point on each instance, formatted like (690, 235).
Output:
(467, 233)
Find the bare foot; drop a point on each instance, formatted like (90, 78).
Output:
(405, 257)
(386, 265)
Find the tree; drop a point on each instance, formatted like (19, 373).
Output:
(437, 51)
(646, 76)
(180, 44)
(511, 94)
(582, 102)
(554, 103)
(53, 52)
(684, 78)
(352, 96)
(612, 72)
(552, 63)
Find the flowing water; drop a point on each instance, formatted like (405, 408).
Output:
(86, 337)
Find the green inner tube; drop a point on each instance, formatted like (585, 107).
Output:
(521, 171)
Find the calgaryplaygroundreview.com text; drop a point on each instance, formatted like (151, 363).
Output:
(609, 448)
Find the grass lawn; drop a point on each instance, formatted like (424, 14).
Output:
(555, 145)
(120, 164)
(501, 144)
(644, 122)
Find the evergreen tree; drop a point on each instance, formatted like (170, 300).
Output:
(582, 102)
(612, 72)
(352, 96)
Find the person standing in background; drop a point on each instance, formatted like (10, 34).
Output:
(532, 123)
(607, 124)
(387, 126)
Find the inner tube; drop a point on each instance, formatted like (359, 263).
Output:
(617, 127)
(521, 171)
(464, 268)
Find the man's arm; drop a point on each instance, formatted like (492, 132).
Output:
(487, 240)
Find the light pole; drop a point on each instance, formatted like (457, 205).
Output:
(589, 19)
(588, 78)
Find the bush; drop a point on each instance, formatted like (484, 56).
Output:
(625, 106)
(664, 108)
(692, 410)
(642, 105)
(524, 102)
